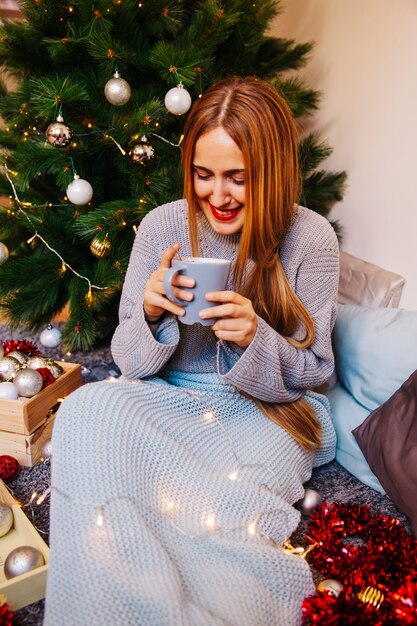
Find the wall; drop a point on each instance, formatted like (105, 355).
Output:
(365, 64)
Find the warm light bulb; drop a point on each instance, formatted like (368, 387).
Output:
(209, 416)
(233, 475)
(100, 517)
(252, 528)
(210, 521)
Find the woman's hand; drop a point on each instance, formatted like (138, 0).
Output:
(155, 302)
(237, 319)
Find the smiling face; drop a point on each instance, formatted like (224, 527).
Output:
(219, 181)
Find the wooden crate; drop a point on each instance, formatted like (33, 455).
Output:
(27, 449)
(29, 587)
(25, 415)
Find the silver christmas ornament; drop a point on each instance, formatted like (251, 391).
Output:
(142, 152)
(333, 587)
(178, 100)
(79, 191)
(6, 519)
(310, 502)
(28, 382)
(55, 369)
(8, 391)
(46, 449)
(117, 90)
(4, 253)
(50, 337)
(19, 355)
(8, 367)
(59, 134)
(21, 560)
(34, 362)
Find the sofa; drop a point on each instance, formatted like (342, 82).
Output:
(373, 394)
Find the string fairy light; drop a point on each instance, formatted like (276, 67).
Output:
(36, 235)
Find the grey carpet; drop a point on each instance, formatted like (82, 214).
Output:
(332, 482)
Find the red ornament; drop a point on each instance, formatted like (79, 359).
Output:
(47, 376)
(9, 467)
(6, 616)
(27, 347)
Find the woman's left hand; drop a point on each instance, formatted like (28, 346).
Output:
(237, 319)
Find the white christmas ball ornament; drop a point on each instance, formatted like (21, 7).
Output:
(50, 337)
(4, 253)
(8, 391)
(79, 191)
(178, 100)
(117, 90)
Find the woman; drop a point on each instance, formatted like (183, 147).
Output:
(193, 459)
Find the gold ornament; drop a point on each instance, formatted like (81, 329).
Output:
(21, 560)
(371, 595)
(4, 253)
(100, 247)
(142, 152)
(59, 134)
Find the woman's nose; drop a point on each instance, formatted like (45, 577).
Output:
(219, 194)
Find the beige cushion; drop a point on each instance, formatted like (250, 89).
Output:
(364, 284)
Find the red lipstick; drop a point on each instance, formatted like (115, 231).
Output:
(225, 215)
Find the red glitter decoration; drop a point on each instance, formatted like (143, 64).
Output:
(6, 616)
(27, 347)
(361, 549)
(9, 467)
(47, 376)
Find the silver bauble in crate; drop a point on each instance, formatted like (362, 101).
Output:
(8, 367)
(332, 586)
(310, 502)
(59, 134)
(8, 391)
(178, 100)
(18, 355)
(46, 449)
(50, 337)
(117, 90)
(80, 191)
(34, 362)
(55, 369)
(6, 519)
(142, 152)
(28, 382)
(21, 560)
(4, 253)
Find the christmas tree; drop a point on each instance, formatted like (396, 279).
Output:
(92, 132)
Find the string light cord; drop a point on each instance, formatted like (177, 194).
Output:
(36, 235)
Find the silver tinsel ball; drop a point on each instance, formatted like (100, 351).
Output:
(18, 355)
(334, 587)
(117, 90)
(59, 134)
(55, 369)
(178, 100)
(4, 253)
(310, 502)
(8, 367)
(6, 519)
(28, 382)
(80, 191)
(21, 560)
(50, 337)
(34, 362)
(141, 152)
(8, 391)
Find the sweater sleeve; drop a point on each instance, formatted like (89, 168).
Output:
(272, 369)
(136, 351)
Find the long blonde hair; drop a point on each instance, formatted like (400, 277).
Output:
(259, 121)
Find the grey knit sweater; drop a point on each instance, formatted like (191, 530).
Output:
(269, 368)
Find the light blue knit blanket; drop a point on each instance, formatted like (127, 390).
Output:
(192, 488)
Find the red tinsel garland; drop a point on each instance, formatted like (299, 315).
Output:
(6, 616)
(47, 376)
(23, 345)
(361, 549)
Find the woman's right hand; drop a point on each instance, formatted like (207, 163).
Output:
(155, 302)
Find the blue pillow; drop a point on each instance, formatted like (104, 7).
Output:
(375, 351)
